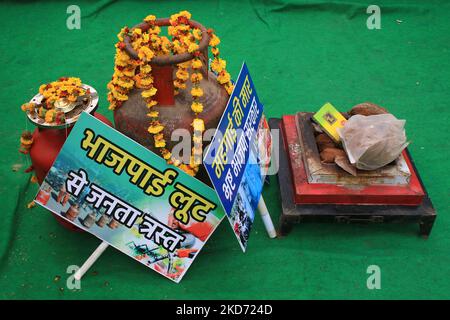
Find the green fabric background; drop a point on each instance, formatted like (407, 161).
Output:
(301, 54)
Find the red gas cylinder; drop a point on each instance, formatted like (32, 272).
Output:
(48, 141)
(46, 145)
(174, 111)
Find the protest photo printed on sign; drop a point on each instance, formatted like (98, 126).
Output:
(108, 185)
(245, 205)
(238, 157)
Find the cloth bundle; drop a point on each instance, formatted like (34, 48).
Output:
(372, 142)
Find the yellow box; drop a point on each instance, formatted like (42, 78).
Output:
(329, 119)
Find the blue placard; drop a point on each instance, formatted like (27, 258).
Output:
(233, 159)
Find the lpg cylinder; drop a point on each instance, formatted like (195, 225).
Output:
(48, 139)
(174, 110)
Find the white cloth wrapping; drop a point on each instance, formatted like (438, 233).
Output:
(372, 142)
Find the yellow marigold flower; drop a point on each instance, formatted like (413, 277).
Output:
(145, 37)
(121, 63)
(217, 65)
(121, 33)
(50, 116)
(182, 74)
(185, 14)
(150, 18)
(119, 96)
(177, 46)
(121, 55)
(160, 143)
(128, 72)
(196, 92)
(29, 106)
(197, 33)
(193, 47)
(166, 45)
(146, 68)
(42, 88)
(182, 28)
(155, 127)
(196, 64)
(188, 170)
(154, 30)
(166, 154)
(156, 41)
(179, 84)
(149, 93)
(137, 31)
(196, 77)
(109, 97)
(198, 125)
(185, 65)
(74, 81)
(145, 52)
(137, 43)
(117, 73)
(229, 87)
(153, 114)
(215, 51)
(146, 81)
(214, 41)
(223, 77)
(197, 107)
(72, 98)
(151, 103)
(112, 106)
(173, 18)
(125, 83)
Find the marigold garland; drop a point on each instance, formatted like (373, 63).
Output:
(67, 89)
(130, 73)
(26, 141)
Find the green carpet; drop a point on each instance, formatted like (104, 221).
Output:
(301, 54)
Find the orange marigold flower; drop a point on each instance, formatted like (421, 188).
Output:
(196, 77)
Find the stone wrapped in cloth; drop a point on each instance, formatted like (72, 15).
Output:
(372, 142)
